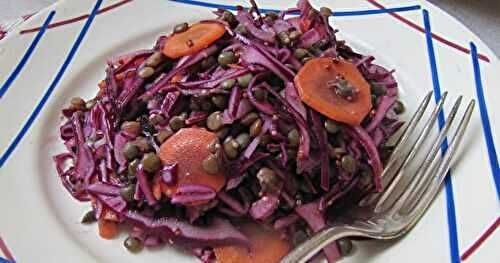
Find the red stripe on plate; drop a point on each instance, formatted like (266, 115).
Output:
(76, 19)
(475, 246)
(422, 30)
(5, 250)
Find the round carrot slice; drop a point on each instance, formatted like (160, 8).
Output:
(266, 246)
(107, 229)
(315, 82)
(188, 148)
(196, 38)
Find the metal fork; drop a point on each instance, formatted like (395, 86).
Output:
(407, 194)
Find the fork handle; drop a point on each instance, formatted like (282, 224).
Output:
(313, 245)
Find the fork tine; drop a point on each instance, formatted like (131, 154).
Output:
(409, 156)
(415, 119)
(418, 186)
(428, 191)
(410, 128)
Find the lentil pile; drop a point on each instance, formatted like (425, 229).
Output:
(185, 145)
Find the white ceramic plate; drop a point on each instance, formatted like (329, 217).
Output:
(39, 222)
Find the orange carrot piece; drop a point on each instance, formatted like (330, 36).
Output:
(313, 83)
(157, 187)
(120, 76)
(194, 39)
(107, 229)
(102, 84)
(176, 78)
(188, 148)
(266, 246)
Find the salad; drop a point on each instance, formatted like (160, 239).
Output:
(234, 138)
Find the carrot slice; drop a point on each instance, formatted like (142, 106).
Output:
(314, 84)
(156, 188)
(102, 84)
(196, 38)
(176, 78)
(266, 246)
(188, 148)
(107, 229)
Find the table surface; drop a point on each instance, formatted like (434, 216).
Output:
(480, 16)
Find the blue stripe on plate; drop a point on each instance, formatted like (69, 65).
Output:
(492, 153)
(27, 55)
(52, 86)
(450, 203)
(335, 13)
(3, 260)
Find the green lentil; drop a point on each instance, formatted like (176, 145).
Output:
(228, 17)
(325, 11)
(77, 103)
(249, 118)
(345, 246)
(151, 162)
(208, 62)
(176, 123)
(163, 135)
(272, 15)
(181, 28)
(305, 60)
(349, 164)
(146, 72)
(228, 83)
(331, 126)
(293, 138)
(344, 89)
(214, 146)
(230, 147)
(194, 106)
(241, 29)
(211, 164)
(374, 99)
(133, 244)
(300, 53)
(155, 59)
(220, 101)
(265, 140)
(132, 168)
(256, 128)
(226, 58)
(243, 140)
(90, 104)
(322, 44)
(399, 107)
(378, 90)
(294, 35)
(222, 133)
(267, 179)
(206, 105)
(259, 94)
(214, 121)
(132, 127)
(284, 38)
(336, 152)
(130, 150)
(244, 80)
(366, 177)
(142, 143)
(128, 192)
(156, 119)
(282, 93)
(88, 217)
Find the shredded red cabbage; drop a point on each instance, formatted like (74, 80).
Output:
(287, 172)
